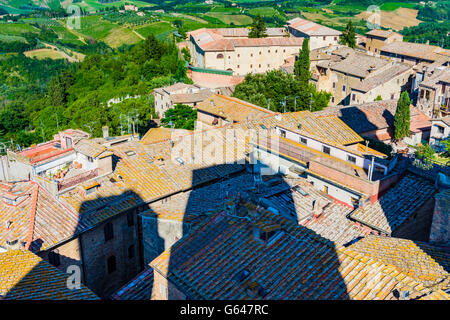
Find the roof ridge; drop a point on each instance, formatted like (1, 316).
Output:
(33, 216)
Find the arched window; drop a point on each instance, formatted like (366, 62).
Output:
(220, 56)
(111, 264)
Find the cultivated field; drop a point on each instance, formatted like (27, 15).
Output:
(237, 19)
(397, 19)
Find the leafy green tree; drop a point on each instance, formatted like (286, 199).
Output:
(181, 116)
(302, 65)
(378, 98)
(258, 28)
(402, 118)
(425, 151)
(349, 35)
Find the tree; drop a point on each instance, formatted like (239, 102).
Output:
(181, 117)
(302, 65)
(425, 151)
(378, 98)
(349, 35)
(402, 118)
(258, 28)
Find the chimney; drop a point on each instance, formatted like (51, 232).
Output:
(211, 102)
(12, 243)
(105, 130)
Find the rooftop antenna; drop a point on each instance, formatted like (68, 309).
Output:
(367, 144)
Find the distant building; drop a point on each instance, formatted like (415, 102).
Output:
(319, 36)
(414, 53)
(232, 50)
(191, 95)
(130, 7)
(353, 77)
(376, 39)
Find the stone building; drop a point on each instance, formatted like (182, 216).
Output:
(414, 53)
(354, 77)
(440, 131)
(319, 36)
(434, 92)
(191, 95)
(376, 39)
(232, 50)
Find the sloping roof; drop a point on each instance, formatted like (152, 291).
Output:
(427, 264)
(325, 128)
(160, 134)
(358, 64)
(90, 148)
(232, 108)
(440, 74)
(381, 33)
(382, 77)
(311, 28)
(397, 205)
(191, 97)
(297, 264)
(140, 288)
(218, 40)
(375, 115)
(416, 50)
(30, 218)
(25, 276)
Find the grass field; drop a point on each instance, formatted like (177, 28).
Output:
(16, 29)
(7, 38)
(44, 54)
(392, 6)
(121, 36)
(95, 27)
(161, 30)
(237, 19)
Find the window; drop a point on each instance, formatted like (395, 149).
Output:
(351, 159)
(303, 140)
(284, 50)
(53, 258)
(130, 219)
(332, 99)
(131, 252)
(239, 55)
(392, 96)
(260, 53)
(324, 38)
(440, 129)
(421, 94)
(220, 56)
(334, 85)
(238, 66)
(268, 65)
(260, 65)
(427, 95)
(90, 159)
(251, 54)
(325, 189)
(353, 97)
(335, 38)
(109, 232)
(283, 133)
(326, 149)
(111, 262)
(344, 88)
(251, 66)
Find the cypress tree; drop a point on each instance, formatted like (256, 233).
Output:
(402, 118)
(302, 65)
(349, 35)
(258, 28)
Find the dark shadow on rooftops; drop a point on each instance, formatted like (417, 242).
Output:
(221, 257)
(106, 246)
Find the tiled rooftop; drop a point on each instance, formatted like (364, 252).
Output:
(297, 264)
(382, 77)
(311, 28)
(416, 50)
(25, 276)
(397, 205)
(425, 263)
(233, 109)
(140, 288)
